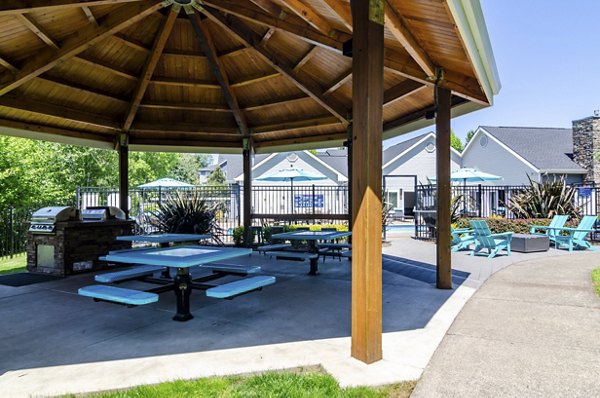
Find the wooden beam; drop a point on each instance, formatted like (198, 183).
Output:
(285, 100)
(248, 38)
(79, 42)
(296, 124)
(89, 15)
(188, 128)
(97, 63)
(56, 111)
(255, 79)
(305, 58)
(418, 114)
(157, 47)
(298, 28)
(401, 91)
(268, 34)
(343, 79)
(342, 10)
(408, 41)
(265, 140)
(50, 133)
(12, 7)
(183, 143)
(80, 87)
(367, 93)
(217, 68)
(173, 81)
(123, 148)
(131, 43)
(247, 210)
(309, 15)
(8, 65)
(444, 193)
(269, 7)
(186, 106)
(37, 30)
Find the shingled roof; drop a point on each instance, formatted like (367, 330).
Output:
(547, 149)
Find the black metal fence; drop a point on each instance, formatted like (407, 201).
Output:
(487, 201)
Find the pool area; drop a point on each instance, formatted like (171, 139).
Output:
(400, 228)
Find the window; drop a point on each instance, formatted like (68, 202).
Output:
(392, 199)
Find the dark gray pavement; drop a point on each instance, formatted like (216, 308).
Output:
(532, 329)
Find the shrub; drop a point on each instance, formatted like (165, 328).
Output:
(188, 213)
(544, 200)
(238, 236)
(518, 226)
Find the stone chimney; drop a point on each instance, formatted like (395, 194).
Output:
(586, 145)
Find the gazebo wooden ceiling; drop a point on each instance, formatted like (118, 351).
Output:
(194, 75)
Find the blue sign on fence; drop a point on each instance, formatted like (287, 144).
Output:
(306, 200)
(585, 192)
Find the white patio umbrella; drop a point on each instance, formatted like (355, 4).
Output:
(468, 174)
(292, 174)
(166, 183)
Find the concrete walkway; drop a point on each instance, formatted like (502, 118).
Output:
(532, 329)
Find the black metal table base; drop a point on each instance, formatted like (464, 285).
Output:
(183, 290)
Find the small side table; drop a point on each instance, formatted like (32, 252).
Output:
(529, 243)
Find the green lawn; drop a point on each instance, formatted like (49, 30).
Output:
(267, 385)
(596, 280)
(11, 265)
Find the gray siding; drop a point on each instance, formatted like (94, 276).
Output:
(569, 178)
(495, 159)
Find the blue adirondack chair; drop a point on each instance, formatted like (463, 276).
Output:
(558, 221)
(485, 239)
(576, 236)
(462, 238)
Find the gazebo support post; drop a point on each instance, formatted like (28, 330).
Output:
(367, 129)
(444, 194)
(123, 147)
(247, 164)
(348, 145)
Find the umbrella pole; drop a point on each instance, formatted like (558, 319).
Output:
(464, 196)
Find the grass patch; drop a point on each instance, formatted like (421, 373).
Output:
(268, 385)
(12, 265)
(596, 280)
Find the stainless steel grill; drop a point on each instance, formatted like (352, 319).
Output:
(102, 213)
(44, 220)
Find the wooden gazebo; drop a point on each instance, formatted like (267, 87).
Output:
(253, 76)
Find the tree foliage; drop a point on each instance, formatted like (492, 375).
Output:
(216, 177)
(455, 142)
(36, 173)
(470, 135)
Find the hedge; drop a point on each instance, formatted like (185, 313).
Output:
(518, 226)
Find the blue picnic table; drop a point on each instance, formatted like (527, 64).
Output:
(312, 237)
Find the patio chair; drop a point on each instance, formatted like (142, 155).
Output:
(485, 239)
(462, 238)
(558, 221)
(576, 236)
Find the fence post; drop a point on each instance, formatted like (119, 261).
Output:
(480, 204)
(11, 236)
(313, 201)
(78, 197)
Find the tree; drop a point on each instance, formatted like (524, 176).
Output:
(188, 165)
(455, 142)
(217, 177)
(470, 135)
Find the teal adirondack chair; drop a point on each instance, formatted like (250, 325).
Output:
(485, 239)
(576, 236)
(558, 221)
(462, 238)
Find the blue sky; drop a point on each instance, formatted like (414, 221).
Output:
(548, 58)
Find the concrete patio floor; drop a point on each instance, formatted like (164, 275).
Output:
(56, 342)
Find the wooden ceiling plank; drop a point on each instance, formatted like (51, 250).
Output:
(12, 7)
(142, 127)
(309, 15)
(37, 30)
(265, 141)
(342, 10)
(408, 41)
(157, 47)
(172, 81)
(339, 82)
(89, 15)
(269, 6)
(255, 79)
(129, 42)
(217, 68)
(300, 29)
(79, 42)
(248, 37)
(92, 119)
(400, 91)
(305, 58)
(40, 130)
